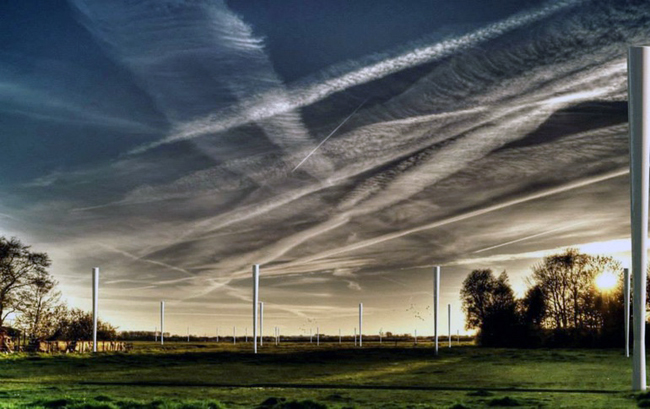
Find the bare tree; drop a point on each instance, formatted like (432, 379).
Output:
(20, 268)
(567, 282)
(40, 309)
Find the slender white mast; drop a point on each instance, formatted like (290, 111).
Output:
(639, 113)
(95, 305)
(256, 302)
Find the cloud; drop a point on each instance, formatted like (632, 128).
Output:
(498, 145)
(265, 106)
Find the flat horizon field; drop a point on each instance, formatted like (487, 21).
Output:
(211, 375)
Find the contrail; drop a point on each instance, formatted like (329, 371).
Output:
(328, 136)
(158, 263)
(461, 217)
(528, 237)
(263, 106)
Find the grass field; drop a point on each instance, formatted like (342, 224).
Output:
(223, 375)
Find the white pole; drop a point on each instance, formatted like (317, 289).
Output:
(234, 335)
(449, 323)
(458, 335)
(317, 336)
(360, 324)
(217, 334)
(188, 334)
(261, 323)
(162, 323)
(339, 336)
(416, 337)
(95, 297)
(436, 299)
(246, 334)
(626, 295)
(256, 303)
(639, 111)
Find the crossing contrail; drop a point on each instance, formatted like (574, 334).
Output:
(528, 237)
(328, 136)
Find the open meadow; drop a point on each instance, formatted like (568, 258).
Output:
(291, 375)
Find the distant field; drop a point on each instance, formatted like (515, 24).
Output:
(209, 375)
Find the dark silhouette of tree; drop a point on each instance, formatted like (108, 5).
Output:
(78, 325)
(567, 282)
(476, 297)
(490, 306)
(20, 268)
(534, 306)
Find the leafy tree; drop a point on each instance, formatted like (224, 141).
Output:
(533, 306)
(490, 307)
(476, 297)
(20, 268)
(77, 324)
(501, 323)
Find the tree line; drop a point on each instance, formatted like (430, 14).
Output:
(29, 294)
(562, 306)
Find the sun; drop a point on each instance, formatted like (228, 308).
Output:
(606, 281)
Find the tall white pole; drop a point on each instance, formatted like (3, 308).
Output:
(416, 337)
(95, 297)
(626, 295)
(234, 335)
(188, 334)
(639, 112)
(162, 323)
(436, 299)
(449, 323)
(256, 303)
(261, 323)
(246, 334)
(360, 324)
(217, 334)
(380, 334)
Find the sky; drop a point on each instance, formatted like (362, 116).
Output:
(346, 147)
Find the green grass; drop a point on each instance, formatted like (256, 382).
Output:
(213, 376)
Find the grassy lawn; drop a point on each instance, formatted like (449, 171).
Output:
(186, 375)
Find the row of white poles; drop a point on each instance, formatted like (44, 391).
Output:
(259, 319)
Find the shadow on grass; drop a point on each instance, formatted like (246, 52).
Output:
(344, 386)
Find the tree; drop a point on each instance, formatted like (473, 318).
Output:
(41, 308)
(78, 325)
(567, 282)
(534, 306)
(490, 306)
(19, 269)
(476, 296)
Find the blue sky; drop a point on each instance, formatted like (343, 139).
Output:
(346, 147)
